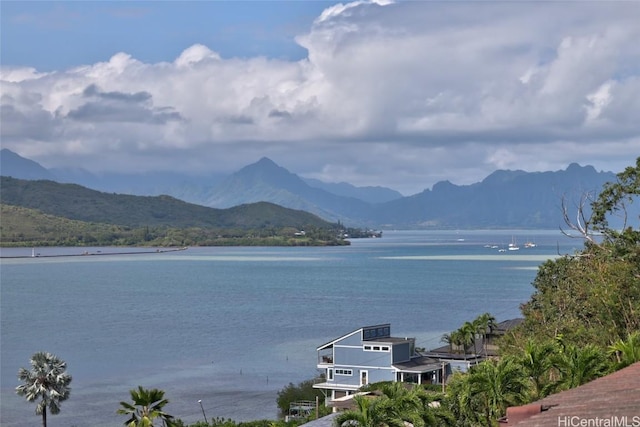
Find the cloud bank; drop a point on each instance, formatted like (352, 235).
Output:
(394, 94)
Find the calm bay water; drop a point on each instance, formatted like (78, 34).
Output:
(233, 326)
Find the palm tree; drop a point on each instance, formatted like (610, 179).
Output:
(626, 351)
(467, 334)
(395, 390)
(371, 412)
(484, 324)
(456, 341)
(448, 339)
(537, 363)
(413, 404)
(464, 405)
(407, 401)
(498, 384)
(579, 365)
(147, 406)
(47, 380)
(431, 410)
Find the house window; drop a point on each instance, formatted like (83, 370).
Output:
(330, 374)
(347, 372)
(376, 348)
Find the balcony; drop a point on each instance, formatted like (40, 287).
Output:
(325, 358)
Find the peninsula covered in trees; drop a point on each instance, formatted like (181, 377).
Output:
(46, 213)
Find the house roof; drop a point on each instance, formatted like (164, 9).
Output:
(472, 353)
(506, 325)
(390, 340)
(419, 365)
(330, 343)
(481, 348)
(612, 399)
(387, 339)
(323, 422)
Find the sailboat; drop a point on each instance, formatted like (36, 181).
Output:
(513, 246)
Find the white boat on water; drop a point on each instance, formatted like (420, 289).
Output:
(513, 246)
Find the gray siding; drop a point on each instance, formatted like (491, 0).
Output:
(358, 357)
(377, 375)
(401, 352)
(354, 339)
(348, 356)
(376, 358)
(347, 379)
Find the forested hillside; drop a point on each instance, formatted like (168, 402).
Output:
(75, 202)
(46, 212)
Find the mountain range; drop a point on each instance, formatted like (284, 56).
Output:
(504, 199)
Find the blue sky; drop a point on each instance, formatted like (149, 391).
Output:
(370, 92)
(57, 35)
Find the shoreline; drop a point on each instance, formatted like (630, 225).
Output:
(97, 253)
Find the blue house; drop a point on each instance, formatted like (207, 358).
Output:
(369, 355)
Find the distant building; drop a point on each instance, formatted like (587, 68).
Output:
(485, 347)
(369, 355)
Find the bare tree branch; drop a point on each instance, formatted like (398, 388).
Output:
(581, 223)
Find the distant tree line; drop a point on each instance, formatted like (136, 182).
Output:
(27, 227)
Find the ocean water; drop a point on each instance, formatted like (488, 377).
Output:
(233, 326)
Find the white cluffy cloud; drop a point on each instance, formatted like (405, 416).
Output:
(393, 94)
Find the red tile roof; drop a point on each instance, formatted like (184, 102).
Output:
(613, 400)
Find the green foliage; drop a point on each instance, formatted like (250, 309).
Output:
(590, 298)
(578, 365)
(300, 392)
(561, 303)
(626, 351)
(593, 296)
(28, 227)
(396, 404)
(536, 362)
(147, 407)
(149, 215)
(463, 339)
(484, 324)
(226, 422)
(613, 200)
(47, 380)
(371, 412)
(481, 396)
